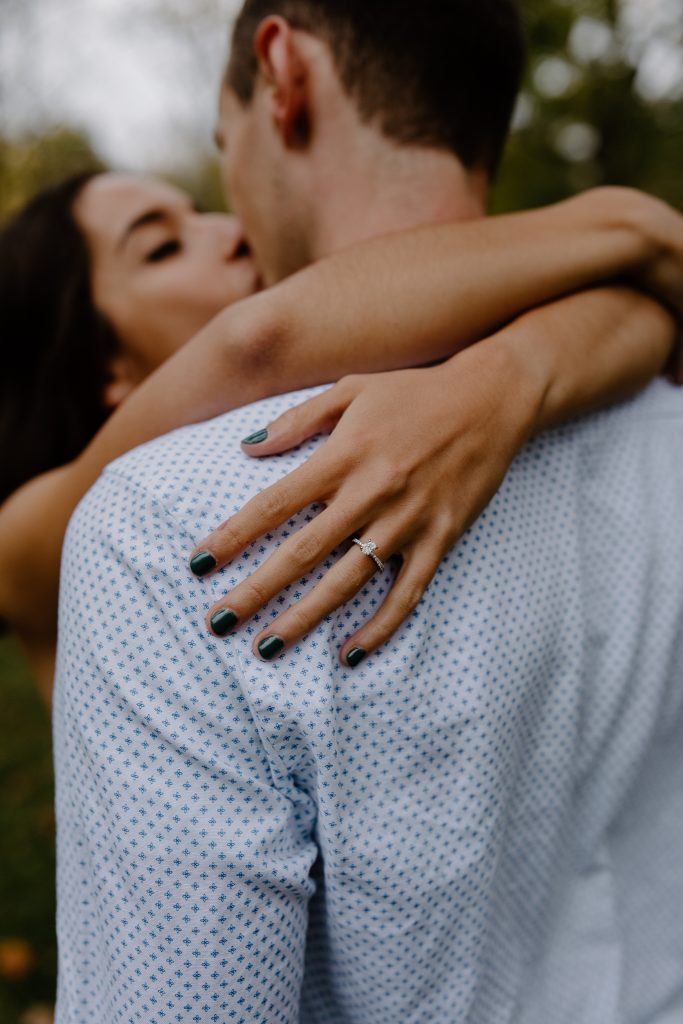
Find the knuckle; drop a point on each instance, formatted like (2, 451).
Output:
(408, 598)
(284, 422)
(349, 385)
(297, 623)
(228, 537)
(352, 580)
(440, 535)
(272, 504)
(390, 478)
(311, 406)
(254, 593)
(300, 413)
(306, 549)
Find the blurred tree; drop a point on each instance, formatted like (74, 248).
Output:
(30, 163)
(203, 182)
(203, 27)
(27, 928)
(36, 161)
(602, 102)
(200, 24)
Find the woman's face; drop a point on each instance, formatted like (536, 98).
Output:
(160, 270)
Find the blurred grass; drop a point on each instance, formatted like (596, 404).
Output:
(27, 862)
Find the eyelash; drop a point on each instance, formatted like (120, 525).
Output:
(162, 252)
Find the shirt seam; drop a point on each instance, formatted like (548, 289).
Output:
(273, 754)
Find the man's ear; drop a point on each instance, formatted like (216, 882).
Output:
(285, 72)
(122, 380)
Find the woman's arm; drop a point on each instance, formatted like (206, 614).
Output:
(398, 301)
(415, 483)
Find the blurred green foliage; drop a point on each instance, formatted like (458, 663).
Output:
(203, 182)
(27, 928)
(584, 119)
(35, 160)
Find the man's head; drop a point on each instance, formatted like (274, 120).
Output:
(311, 83)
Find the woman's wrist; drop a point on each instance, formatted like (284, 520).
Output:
(643, 223)
(582, 352)
(516, 371)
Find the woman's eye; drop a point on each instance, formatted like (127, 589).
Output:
(162, 252)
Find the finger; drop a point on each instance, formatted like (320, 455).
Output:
(416, 574)
(339, 585)
(289, 563)
(314, 481)
(318, 415)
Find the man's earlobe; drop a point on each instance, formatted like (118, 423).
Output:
(285, 73)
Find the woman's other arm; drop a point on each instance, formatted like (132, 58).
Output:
(397, 301)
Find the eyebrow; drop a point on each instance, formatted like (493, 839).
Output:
(148, 217)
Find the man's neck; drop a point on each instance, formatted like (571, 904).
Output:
(381, 188)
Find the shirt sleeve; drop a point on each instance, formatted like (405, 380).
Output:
(184, 853)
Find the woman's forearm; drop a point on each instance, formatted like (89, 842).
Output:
(418, 297)
(579, 353)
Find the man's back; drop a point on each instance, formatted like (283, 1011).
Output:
(481, 823)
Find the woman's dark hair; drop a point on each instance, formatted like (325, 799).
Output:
(56, 347)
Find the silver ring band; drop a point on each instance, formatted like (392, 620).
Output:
(368, 548)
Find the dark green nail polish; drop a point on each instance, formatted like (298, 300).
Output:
(355, 656)
(202, 563)
(223, 622)
(258, 438)
(270, 647)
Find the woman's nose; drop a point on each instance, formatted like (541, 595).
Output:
(235, 238)
(227, 231)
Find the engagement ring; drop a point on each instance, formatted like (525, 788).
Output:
(368, 548)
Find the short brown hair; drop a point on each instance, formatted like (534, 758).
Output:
(442, 73)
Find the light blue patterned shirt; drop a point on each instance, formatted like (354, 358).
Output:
(482, 824)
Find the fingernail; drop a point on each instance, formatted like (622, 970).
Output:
(258, 438)
(270, 647)
(202, 563)
(223, 622)
(355, 656)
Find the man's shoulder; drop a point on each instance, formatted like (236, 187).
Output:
(206, 458)
(201, 476)
(660, 400)
(654, 413)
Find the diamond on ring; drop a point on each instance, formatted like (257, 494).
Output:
(368, 548)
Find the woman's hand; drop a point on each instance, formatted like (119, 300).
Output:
(414, 458)
(416, 455)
